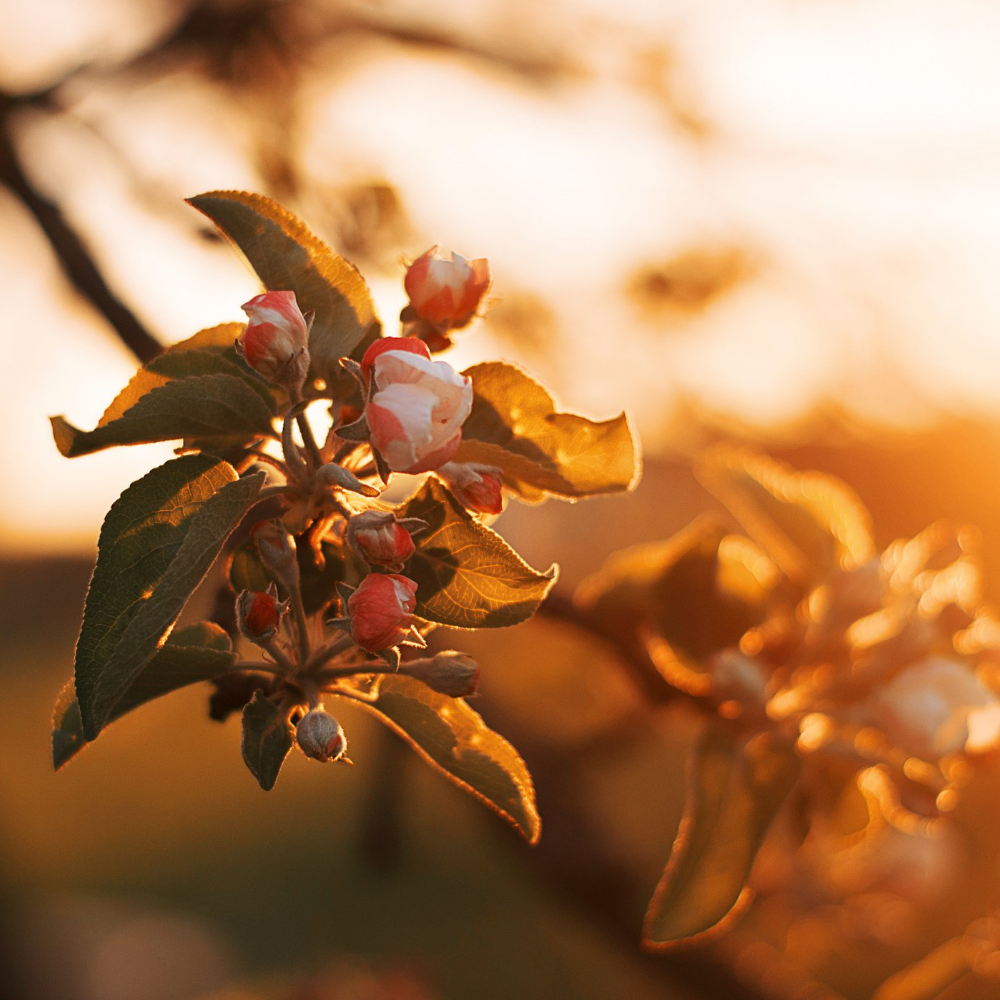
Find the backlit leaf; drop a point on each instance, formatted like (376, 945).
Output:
(452, 737)
(698, 592)
(467, 575)
(199, 406)
(266, 740)
(514, 425)
(157, 543)
(288, 257)
(734, 794)
(807, 522)
(931, 976)
(195, 653)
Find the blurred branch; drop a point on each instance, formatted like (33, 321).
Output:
(69, 248)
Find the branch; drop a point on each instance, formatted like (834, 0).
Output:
(71, 252)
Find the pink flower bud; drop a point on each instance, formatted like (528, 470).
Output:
(446, 292)
(320, 736)
(416, 407)
(275, 343)
(450, 673)
(477, 487)
(258, 614)
(380, 539)
(381, 610)
(276, 549)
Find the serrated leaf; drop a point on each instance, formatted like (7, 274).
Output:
(157, 543)
(734, 794)
(931, 976)
(195, 653)
(807, 522)
(514, 425)
(467, 575)
(194, 407)
(288, 257)
(454, 739)
(266, 740)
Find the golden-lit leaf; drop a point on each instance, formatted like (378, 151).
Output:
(467, 575)
(930, 977)
(452, 737)
(288, 257)
(266, 740)
(735, 791)
(514, 425)
(807, 522)
(191, 654)
(698, 591)
(157, 543)
(198, 406)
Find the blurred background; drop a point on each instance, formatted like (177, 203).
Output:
(765, 221)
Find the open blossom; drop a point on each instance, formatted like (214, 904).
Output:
(476, 487)
(446, 292)
(275, 342)
(381, 610)
(936, 707)
(380, 539)
(416, 406)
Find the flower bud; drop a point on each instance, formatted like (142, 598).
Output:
(380, 539)
(450, 673)
(381, 610)
(275, 342)
(477, 487)
(446, 292)
(320, 736)
(276, 549)
(258, 614)
(415, 407)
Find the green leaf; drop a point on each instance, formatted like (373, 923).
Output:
(195, 653)
(195, 407)
(735, 793)
(266, 740)
(514, 425)
(453, 738)
(930, 977)
(288, 257)
(698, 591)
(157, 543)
(809, 523)
(467, 575)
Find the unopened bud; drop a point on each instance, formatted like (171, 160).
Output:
(380, 539)
(276, 549)
(381, 611)
(275, 342)
(450, 673)
(258, 614)
(477, 487)
(320, 736)
(446, 291)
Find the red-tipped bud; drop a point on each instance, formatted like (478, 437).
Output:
(276, 549)
(416, 407)
(446, 291)
(258, 614)
(275, 343)
(477, 487)
(450, 673)
(320, 736)
(381, 611)
(380, 539)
